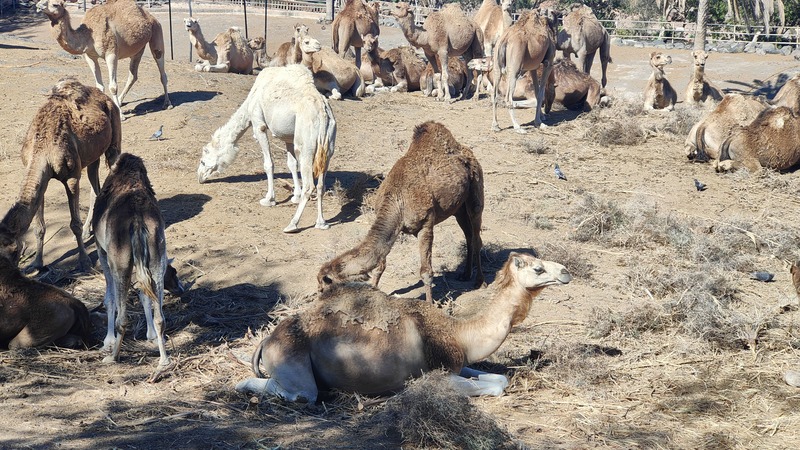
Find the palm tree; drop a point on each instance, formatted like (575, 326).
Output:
(702, 20)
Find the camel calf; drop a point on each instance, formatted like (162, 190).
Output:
(659, 94)
(431, 83)
(405, 66)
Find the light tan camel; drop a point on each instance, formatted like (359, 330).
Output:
(431, 83)
(493, 19)
(284, 103)
(771, 141)
(289, 52)
(524, 47)
(355, 21)
(228, 52)
(445, 33)
(72, 130)
(370, 67)
(405, 66)
(356, 338)
(332, 74)
(708, 134)
(112, 31)
(259, 48)
(659, 94)
(789, 94)
(436, 178)
(583, 35)
(700, 90)
(33, 314)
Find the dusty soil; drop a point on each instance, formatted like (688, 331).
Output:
(572, 386)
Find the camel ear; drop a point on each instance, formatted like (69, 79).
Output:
(518, 262)
(169, 261)
(652, 55)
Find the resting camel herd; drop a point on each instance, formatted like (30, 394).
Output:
(352, 336)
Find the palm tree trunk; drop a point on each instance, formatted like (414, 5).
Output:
(702, 19)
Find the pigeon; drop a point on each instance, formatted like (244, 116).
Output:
(766, 277)
(700, 186)
(157, 135)
(559, 173)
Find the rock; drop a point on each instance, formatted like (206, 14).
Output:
(669, 46)
(769, 48)
(638, 45)
(658, 42)
(786, 50)
(760, 51)
(680, 45)
(738, 47)
(750, 47)
(792, 378)
(660, 46)
(617, 41)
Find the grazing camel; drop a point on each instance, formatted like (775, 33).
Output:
(524, 47)
(112, 31)
(583, 35)
(228, 52)
(789, 94)
(352, 25)
(493, 19)
(659, 94)
(435, 179)
(259, 48)
(445, 33)
(431, 83)
(33, 314)
(707, 135)
(356, 338)
(72, 130)
(700, 90)
(771, 141)
(284, 102)
(289, 52)
(331, 73)
(405, 66)
(129, 230)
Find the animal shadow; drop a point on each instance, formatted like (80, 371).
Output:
(766, 88)
(181, 207)
(176, 98)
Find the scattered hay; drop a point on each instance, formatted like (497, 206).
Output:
(570, 256)
(618, 125)
(537, 222)
(595, 219)
(578, 365)
(679, 123)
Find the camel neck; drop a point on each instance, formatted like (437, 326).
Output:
(697, 73)
(235, 127)
(204, 49)
(658, 73)
(73, 41)
(31, 195)
(384, 231)
(415, 35)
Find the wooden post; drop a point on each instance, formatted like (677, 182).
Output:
(171, 51)
(244, 5)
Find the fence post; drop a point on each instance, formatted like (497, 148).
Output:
(329, 10)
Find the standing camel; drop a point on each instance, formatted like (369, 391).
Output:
(353, 23)
(283, 102)
(228, 52)
(584, 35)
(72, 130)
(356, 338)
(435, 179)
(524, 47)
(112, 31)
(445, 33)
(493, 19)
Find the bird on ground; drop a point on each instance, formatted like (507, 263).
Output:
(700, 186)
(766, 277)
(559, 173)
(157, 135)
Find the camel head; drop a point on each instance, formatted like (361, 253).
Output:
(215, 158)
(300, 30)
(370, 43)
(480, 64)
(533, 273)
(53, 9)
(659, 60)
(700, 58)
(172, 283)
(400, 10)
(506, 5)
(310, 45)
(191, 24)
(257, 43)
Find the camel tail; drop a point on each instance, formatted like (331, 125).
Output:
(141, 258)
(700, 143)
(606, 51)
(326, 136)
(724, 149)
(255, 361)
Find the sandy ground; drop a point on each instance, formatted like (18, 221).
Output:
(570, 389)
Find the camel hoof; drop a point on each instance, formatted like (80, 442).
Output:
(291, 229)
(322, 226)
(521, 130)
(542, 126)
(267, 202)
(495, 127)
(295, 199)
(109, 359)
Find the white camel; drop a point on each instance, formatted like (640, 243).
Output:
(284, 102)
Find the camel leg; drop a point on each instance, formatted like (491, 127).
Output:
(587, 63)
(222, 67)
(357, 51)
(117, 282)
(444, 92)
(133, 74)
(512, 85)
(291, 161)
(94, 66)
(157, 50)
(581, 64)
(425, 237)
(94, 181)
(40, 229)
(321, 224)
(111, 62)
(495, 89)
(540, 85)
(471, 225)
(147, 306)
(158, 320)
(73, 193)
(377, 272)
(307, 179)
(260, 133)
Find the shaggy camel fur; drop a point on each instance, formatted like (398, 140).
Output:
(699, 89)
(435, 179)
(259, 47)
(583, 35)
(289, 52)
(355, 21)
(493, 19)
(405, 66)
(284, 102)
(772, 141)
(445, 33)
(228, 52)
(72, 130)
(789, 94)
(431, 83)
(795, 272)
(708, 134)
(129, 230)
(524, 47)
(356, 338)
(33, 314)
(111, 31)
(659, 94)
(331, 73)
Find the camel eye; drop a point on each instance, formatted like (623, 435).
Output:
(327, 280)
(538, 270)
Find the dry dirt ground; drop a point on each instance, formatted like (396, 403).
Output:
(661, 340)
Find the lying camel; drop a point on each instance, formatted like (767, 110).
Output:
(332, 74)
(659, 94)
(789, 94)
(405, 66)
(228, 52)
(289, 52)
(371, 70)
(771, 141)
(700, 90)
(436, 178)
(707, 135)
(356, 338)
(431, 83)
(259, 47)
(33, 314)
(72, 130)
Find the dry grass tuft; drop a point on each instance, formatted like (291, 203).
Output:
(679, 123)
(619, 124)
(570, 256)
(595, 219)
(536, 146)
(578, 364)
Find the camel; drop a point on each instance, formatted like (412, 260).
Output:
(129, 230)
(259, 48)
(445, 33)
(771, 141)
(700, 90)
(707, 135)
(371, 70)
(583, 35)
(355, 338)
(72, 130)
(284, 102)
(789, 94)
(431, 83)
(435, 179)
(332, 74)
(33, 314)
(524, 47)
(493, 19)
(659, 94)
(289, 52)
(405, 66)
(352, 25)
(228, 52)
(112, 31)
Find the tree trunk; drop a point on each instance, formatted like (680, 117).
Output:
(702, 19)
